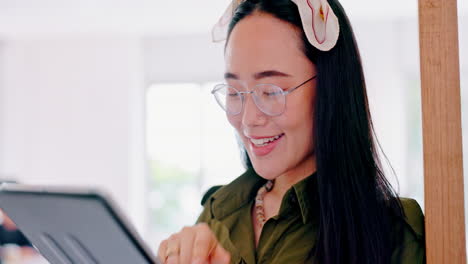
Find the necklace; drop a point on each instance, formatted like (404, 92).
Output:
(259, 203)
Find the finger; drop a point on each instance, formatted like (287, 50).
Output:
(204, 243)
(162, 251)
(173, 259)
(220, 255)
(173, 249)
(186, 244)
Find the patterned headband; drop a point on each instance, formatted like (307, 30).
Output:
(318, 20)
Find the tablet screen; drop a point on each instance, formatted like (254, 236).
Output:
(74, 228)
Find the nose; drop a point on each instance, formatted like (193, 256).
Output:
(251, 114)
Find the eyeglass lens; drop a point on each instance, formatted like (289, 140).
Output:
(269, 98)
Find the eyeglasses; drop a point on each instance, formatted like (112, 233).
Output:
(269, 98)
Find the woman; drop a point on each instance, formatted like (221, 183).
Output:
(314, 190)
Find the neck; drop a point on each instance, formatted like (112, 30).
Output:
(286, 180)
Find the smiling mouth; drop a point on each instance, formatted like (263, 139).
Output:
(262, 142)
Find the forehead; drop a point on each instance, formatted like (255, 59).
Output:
(261, 41)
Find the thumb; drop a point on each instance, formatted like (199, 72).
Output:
(220, 256)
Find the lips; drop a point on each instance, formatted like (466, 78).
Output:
(265, 140)
(262, 146)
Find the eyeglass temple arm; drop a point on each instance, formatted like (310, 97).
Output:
(294, 88)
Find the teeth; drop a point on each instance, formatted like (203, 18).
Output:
(264, 141)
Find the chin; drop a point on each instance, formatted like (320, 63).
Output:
(265, 170)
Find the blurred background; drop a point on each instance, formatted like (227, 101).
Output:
(116, 94)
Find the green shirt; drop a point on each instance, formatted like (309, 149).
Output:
(289, 236)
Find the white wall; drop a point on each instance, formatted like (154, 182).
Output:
(2, 109)
(73, 114)
(191, 58)
(387, 65)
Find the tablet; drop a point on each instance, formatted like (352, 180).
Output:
(73, 226)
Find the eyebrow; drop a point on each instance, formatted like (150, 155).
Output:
(258, 75)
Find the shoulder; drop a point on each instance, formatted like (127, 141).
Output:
(409, 234)
(414, 217)
(239, 189)
(220, 200)
(223, 200)
(209, 193)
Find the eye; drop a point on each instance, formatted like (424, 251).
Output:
(232, 92)
(272, 93)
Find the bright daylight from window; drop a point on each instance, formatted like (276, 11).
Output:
(191, 147)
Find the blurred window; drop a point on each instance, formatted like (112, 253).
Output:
(191, 147)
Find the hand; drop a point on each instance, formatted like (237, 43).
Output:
(8, 224)
(193, 245)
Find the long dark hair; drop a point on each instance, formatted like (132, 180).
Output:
(356, 201)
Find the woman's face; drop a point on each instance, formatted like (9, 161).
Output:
(264, 49)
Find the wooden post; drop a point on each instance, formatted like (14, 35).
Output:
(442, 136)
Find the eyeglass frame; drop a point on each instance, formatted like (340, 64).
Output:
(283, 92)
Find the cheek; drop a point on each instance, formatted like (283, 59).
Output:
(299, 119)
(300, 131)
(235, 122)
(299, 126)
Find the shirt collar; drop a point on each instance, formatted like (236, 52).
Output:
(306, 193)
(244, 189)
(236, 194)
